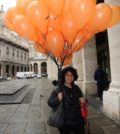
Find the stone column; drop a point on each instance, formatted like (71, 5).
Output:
(77, 64)
(15, 70)
(39, 67)
(32, 68)
(111, 98)
(10, 70)
(85, 62)
(52, 70)
(3, 70)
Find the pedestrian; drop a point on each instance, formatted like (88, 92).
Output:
(100, 77)
(71, 97)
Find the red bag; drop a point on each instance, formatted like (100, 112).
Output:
(83, 109)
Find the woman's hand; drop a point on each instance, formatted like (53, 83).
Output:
(60, 96)
(82, 100)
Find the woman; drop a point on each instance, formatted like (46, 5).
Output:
(71, 96)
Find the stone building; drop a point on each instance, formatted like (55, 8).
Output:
(13, 51)
(41, 64)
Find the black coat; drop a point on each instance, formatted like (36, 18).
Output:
(70, 103)
(99, 75)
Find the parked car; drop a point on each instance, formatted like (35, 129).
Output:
(45, 75)
(39, 76)
(25, 75)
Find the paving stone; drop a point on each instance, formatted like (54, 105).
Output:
(94, 128)
(3, 127)
(111, 129)
(34, 112)
(17, 128)
(36, 128)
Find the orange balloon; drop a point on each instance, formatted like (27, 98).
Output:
(55, 43)
(40, 38)
(82, 11)
(89, 35)
(24, 28)
(115, 15)
(22, 5)
(11, 13)
(100, 19)
(8, 24)
(68, 28)
(38, 48)
(56, 6)
(66, 9)
(54, 23)
(80, 40)
(38, 14)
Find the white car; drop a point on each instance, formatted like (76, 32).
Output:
(39, 76)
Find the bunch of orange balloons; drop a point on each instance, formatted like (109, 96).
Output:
(60, 27)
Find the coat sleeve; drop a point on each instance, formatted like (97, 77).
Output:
(53, 99)
(79, 91)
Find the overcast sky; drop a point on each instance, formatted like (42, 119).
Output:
(7, 3)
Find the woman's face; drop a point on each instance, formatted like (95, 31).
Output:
(69, 78)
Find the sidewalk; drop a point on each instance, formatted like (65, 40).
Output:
(30, 117)
(99, 123)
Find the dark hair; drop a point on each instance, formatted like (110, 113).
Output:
(68, 69)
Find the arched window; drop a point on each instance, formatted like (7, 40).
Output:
(17, 53)
(13, 52)
(7, 51)
(25, 56)
(36, 68)
(43, 68)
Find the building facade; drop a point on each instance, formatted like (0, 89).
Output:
(13, 51)
(41, 63)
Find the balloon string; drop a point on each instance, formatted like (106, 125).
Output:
(65, 54)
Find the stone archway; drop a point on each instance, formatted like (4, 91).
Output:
(7, 70)
(25, 69)
(13, 69)
(17, 68)
(103, 56)
(21, 69)
(36, 68)
(43, 68)
(0, 69)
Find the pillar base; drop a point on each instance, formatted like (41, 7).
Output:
(111, 104)
(87, 87)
